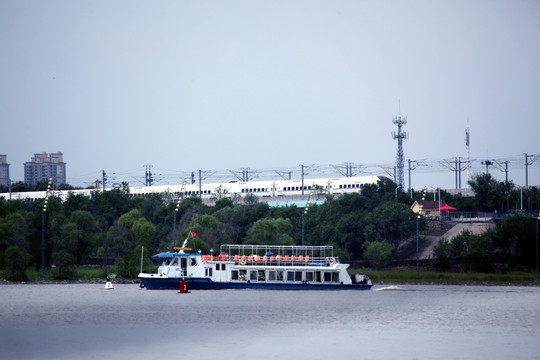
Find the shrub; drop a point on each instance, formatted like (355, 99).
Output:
(378, 251)
(16, 261)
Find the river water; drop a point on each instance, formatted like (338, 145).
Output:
(85, 321)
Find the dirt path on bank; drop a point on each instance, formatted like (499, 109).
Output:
(430, 241)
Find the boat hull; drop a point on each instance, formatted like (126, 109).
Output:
(207, 284)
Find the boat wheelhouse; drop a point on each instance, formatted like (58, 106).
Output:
(254, 267)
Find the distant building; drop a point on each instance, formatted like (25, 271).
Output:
(44, 166)
(4, 171)
(428, 208)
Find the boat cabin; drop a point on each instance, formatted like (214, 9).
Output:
(258, 264)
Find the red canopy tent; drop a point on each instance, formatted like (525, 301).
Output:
(447, 207)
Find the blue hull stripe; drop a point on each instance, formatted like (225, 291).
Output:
(207, 284)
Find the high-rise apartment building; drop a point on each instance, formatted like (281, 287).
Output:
(44, 166)
(4, 171)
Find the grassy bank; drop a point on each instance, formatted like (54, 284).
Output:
(410, 276)
(82, 273)
(379, 277)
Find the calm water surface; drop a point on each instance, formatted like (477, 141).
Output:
(85, 321)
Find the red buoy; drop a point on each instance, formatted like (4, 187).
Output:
(183, 287)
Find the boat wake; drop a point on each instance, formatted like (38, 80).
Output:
(392, 287)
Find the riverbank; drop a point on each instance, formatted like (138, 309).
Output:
(410, 276)
(92, 275)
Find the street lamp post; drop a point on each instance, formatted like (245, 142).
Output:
(174, 225)
(418, 232)
(306, 210)
(43, 238)
(487, 163)
(537, 218)
(43, 227)
(177, 209)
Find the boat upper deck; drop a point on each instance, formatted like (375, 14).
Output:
(275, 255)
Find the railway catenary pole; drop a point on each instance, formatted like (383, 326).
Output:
(410, 187)
(302, 167)
(527, 163)
(200, 184)
(456, 173)
(526, 170)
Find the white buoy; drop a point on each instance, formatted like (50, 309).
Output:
(108, 285)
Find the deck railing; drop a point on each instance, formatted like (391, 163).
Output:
(273, 260)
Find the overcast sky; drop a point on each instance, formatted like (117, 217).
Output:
(226, 85)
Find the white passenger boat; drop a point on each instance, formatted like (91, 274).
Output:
(254, 267)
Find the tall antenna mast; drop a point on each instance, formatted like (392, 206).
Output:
(399, 136)
(467, 145)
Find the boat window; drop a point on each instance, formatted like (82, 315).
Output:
(261, 275)
(335, 277)
(166, 262)
(242, 276)
(218, 267)
(253, 275)
(297, 276)
(175, 262)
(208, 271)
(192, 261)
(234, 275)
(290, 275)
(309, 276)
(327, 277)
(271, 275)
(279, 275)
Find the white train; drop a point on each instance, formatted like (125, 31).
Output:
(213, 191)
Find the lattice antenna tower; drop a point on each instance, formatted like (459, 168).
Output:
(468, 147)
(400, 135)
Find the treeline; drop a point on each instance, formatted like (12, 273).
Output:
(42, 185)
(116, 225)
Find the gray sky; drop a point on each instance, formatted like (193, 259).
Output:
(217, 85)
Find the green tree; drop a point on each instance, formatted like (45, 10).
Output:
(128, 235)
(79, 235)
(208, 229)
(63, 268)
(378, 251)
(223, 203)
(390, 221)
(514, 236)
(350, 232)
(477, 251)
(251, 200)
(111, 204)
(14, 230)
(489, 194)
(271, 232)
(441, 254)
(16, 261)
